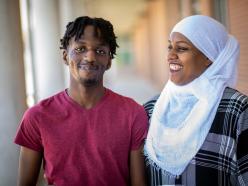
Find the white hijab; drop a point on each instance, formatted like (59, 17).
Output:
(183, 115)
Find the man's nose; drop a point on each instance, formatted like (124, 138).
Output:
(90, 56)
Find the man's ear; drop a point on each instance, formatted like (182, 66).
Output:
(109, 64)
(65, 57)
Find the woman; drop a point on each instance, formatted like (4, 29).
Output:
(198, 131)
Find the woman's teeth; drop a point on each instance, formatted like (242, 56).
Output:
(175, 67)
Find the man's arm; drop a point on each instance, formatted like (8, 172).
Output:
(137, 167)
(29, 167)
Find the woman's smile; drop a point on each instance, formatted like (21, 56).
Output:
(175, 67)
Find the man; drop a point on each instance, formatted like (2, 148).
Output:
(87, 134)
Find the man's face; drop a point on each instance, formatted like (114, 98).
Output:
(88, 58)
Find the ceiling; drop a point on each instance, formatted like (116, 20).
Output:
(121, 13)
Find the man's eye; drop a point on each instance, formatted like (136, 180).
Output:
(101, 51)
(80, 49)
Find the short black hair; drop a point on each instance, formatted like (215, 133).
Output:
(76, 28)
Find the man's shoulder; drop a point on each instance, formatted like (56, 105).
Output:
(45, 104)
(123, 99)
(125, 103)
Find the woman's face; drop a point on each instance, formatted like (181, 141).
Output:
(185, 61)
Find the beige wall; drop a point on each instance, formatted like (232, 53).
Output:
(206, 7)
(158, 40)
(238, 26)
(173, 14)
(151, 40)
(141, 48)
(154, 27)
(186, 8)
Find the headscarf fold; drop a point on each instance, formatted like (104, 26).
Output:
(183, 115)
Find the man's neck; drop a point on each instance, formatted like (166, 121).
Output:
(87, 97)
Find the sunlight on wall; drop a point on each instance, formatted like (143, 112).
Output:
(29, 77)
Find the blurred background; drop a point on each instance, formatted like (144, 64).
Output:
(32, 67)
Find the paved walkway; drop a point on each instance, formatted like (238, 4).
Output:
(126, 82)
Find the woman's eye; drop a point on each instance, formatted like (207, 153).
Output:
(182, 49)
(169, 47)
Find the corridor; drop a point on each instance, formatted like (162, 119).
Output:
(125, 81)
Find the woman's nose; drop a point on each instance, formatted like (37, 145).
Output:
(172, 54)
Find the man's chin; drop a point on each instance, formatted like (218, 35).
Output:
(89, 82)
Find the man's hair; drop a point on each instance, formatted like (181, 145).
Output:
(76, 28)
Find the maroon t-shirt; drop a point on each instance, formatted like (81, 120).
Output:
(84, 147)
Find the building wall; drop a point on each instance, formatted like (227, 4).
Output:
(238, 25)
(151, 40)
(161, 16)
(157, 40)
(141, 48)
(206, 7)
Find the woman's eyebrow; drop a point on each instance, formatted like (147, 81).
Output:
(178, 42)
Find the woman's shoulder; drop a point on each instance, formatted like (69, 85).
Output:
(233, 94)
(149, 105)
(234, 100)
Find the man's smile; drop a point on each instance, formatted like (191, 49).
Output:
(88, 67)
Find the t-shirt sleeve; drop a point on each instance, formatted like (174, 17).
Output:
(139, 129)
(28, 133)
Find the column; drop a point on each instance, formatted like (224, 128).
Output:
(12, 93)
(48, 63)
(186, 8)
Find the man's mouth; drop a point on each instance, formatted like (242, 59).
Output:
(88, 67)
